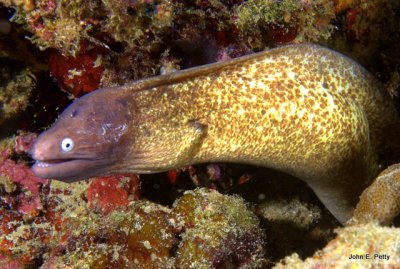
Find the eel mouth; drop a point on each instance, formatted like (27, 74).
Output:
(48, 163)
(67, 170)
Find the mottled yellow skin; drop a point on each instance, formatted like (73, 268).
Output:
(302, 109)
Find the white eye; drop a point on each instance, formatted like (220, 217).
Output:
(67, 144)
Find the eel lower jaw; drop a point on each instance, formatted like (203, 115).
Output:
(68, 170)
(49, 163)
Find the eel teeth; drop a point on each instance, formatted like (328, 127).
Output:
(42, 164)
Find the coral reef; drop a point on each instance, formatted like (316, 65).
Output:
(370, 246)
(140, 236)
(78, 228)
(139, 38)
(219, 231)
(116, 41)
(213, 229)
(20, 205)
(20, 183)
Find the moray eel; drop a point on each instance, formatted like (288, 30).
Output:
(301, 109)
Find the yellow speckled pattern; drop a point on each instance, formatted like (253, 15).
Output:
(302, 109)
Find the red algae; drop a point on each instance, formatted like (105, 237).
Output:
(24, 142)
(80, 74)
(19, 176)
(7, 262)
(107, 193)
(173, 176)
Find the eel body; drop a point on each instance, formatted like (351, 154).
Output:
(302, 109)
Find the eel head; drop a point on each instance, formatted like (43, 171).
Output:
(88, 139)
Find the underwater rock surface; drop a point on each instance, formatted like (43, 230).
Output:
(381, 200)
(361, 246)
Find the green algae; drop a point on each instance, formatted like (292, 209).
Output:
(255, 12)
(135, 24)
(310, 20)
(16, 85)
